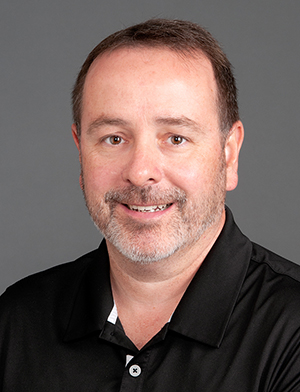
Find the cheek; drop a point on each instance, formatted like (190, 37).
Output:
(99, 176)
(190, 177)
(195, 176)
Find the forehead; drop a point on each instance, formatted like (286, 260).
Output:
(148, 81)
(158, 61)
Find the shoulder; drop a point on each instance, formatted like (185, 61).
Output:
(275, 283)
(279, 265)
(277, 272)
(41, 289)
(268, 313)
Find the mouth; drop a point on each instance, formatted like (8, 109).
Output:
(154, 208)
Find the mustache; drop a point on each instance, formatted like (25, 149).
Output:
(147, 195)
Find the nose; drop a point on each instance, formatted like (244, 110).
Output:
(144, 166)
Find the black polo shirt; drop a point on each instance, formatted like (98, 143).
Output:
(236, 329)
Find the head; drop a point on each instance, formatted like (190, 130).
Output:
(158, 144)
(184, 38)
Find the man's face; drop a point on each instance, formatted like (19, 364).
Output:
(154, 171)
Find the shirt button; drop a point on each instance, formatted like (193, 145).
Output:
(135, 370)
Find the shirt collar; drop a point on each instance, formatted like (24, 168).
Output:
(205, 309)
(203, 312)
(91, 302)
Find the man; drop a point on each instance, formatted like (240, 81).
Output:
(176, 298)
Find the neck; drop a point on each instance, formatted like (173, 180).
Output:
(147, 295)
(159, 285)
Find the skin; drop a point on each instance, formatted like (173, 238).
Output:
(149, 121)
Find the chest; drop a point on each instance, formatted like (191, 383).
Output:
(171, 362)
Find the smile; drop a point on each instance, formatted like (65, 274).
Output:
(148, 208)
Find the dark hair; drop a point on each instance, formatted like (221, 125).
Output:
(180, 36)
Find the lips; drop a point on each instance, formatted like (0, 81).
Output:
(154, 208)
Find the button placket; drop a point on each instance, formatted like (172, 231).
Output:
(135, 371)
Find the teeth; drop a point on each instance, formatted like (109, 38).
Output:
(148, 208)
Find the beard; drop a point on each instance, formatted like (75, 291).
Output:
(148, 242)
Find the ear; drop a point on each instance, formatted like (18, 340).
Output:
(77, 142)
(232, 148)
(75, 136)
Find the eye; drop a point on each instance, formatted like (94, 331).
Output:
(176, 139)
(114, 140)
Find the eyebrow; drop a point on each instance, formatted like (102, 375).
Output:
(181, 121)
(102, 121)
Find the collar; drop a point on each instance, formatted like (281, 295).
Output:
(204, 310)
(91, 301)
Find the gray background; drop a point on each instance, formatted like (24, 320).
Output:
(43, 44)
